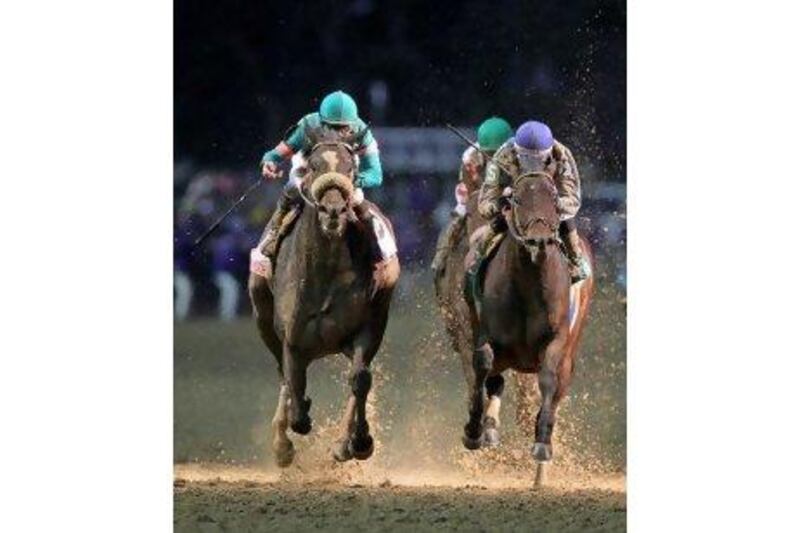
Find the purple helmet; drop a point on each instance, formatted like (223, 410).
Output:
(534, 135)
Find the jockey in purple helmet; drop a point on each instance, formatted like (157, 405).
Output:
(533, 149)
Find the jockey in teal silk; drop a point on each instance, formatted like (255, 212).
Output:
(337, 113)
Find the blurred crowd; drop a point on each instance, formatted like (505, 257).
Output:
(211, 279)
(240, 85)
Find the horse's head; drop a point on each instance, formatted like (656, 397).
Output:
(533, 215)
(331, 171)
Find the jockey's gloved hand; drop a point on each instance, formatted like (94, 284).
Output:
(270, 170)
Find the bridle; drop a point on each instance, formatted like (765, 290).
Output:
(313, 203)
(513, 220)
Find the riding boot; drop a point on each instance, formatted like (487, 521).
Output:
(485, 237)
(446, 242)
(579, 266)
(269, 245)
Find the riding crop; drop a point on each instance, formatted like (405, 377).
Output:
(230, 210)
(478, 148)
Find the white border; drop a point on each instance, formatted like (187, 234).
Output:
(86, 118)
(713, 357)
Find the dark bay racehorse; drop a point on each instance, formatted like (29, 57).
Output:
(449, 287)
(521, 318)
(322, 300)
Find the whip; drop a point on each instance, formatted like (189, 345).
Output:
(478, 148)
(230, 210)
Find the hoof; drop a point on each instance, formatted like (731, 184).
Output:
(362, 449)
(284, 454)
(302, 426)
(542, 453)
(491, 437)
(470, 443)
(341, 451)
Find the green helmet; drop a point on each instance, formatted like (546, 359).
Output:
(338, 108)
(493, 132)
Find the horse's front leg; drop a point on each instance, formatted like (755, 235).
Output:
(295, 366)
(482, 359)
(341, 447)
(361, 442)
(491, 420)
(551, 389)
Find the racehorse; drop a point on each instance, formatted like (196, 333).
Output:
(449, 289)
(523, 315)
(323, 299)
(449, 286)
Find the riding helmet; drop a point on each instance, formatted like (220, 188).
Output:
(338, 108)
(533, 135)
(493, 132)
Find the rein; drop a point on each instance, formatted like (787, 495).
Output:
(305, 198)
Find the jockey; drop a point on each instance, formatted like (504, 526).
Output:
(338, 113)
(492, 133)
(532, 149)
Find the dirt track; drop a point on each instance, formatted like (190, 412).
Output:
(219, 498)
(421, 477)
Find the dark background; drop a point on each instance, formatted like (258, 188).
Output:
(245, 71)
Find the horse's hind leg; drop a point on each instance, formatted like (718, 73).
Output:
(491, 420)
(281, 445)
(482, 359)
(261, 299)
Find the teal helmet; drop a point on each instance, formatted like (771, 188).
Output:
(338, 108)
(493, 132)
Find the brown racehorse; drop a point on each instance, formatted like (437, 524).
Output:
(521, 319)
(449, 289)
(323, 300)
(449, 286)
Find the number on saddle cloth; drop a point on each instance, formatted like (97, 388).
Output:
(383, 235)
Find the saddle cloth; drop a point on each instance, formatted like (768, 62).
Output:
(383, 235)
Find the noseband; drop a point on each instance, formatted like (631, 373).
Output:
(513, 220)
(331, 177)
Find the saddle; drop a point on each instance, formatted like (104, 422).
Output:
(287, 224)
(473, 277)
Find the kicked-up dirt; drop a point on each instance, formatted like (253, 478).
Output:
(223, 498)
